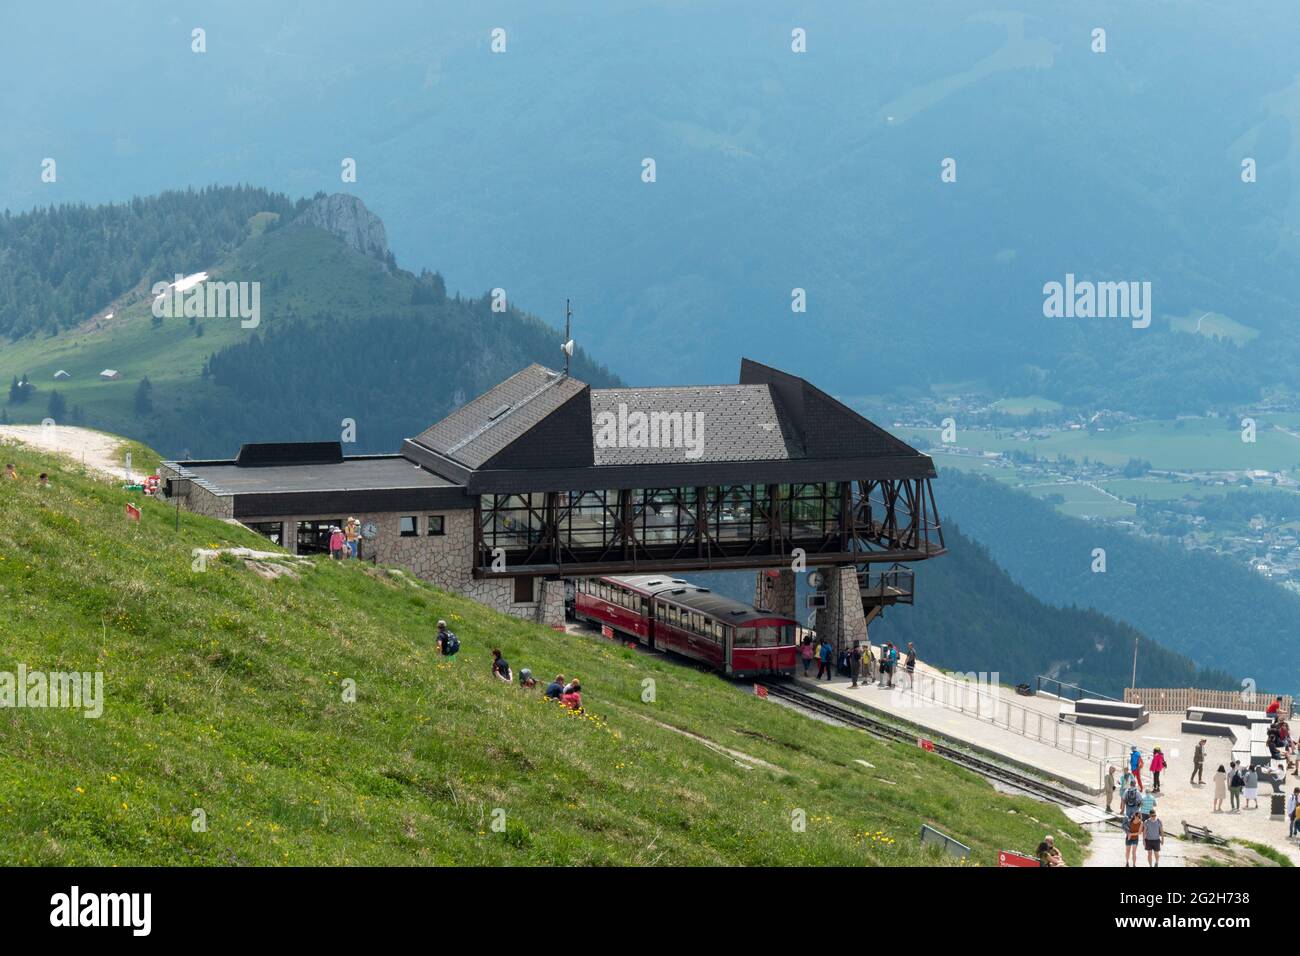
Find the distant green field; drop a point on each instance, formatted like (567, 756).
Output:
(1026, 404)
(1183, 445)
(1082, 501)
(1214, 325)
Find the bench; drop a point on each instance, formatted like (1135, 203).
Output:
(1202, 834)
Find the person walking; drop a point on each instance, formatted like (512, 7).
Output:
(910, 664)
(825, 659)
(1157, 764)
(336, 543)
(1235, 785)
(1110, 787)
(855, 663)
(1198, 765)
(1135, 766)
(1292, 808)
(1132, 833)
(806, 653)
(1153, 831)
(1132, 801)
(1251, 792)
(352, 535)
(1220, 788)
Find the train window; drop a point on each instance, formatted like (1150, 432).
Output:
(717, 632)
(744, 637)
(768, 636)
(788, 636)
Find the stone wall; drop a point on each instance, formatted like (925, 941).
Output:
(775, 591)
(200, 500)
(446, 560)
(842, 618)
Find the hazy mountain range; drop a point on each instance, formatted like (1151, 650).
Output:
(775, 170)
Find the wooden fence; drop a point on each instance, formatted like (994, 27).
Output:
(1176, 700)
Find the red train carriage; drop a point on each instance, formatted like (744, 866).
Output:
(670, 614)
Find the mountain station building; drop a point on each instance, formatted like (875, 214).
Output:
(544, 478)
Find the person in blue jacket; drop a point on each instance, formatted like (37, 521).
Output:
(825, 654)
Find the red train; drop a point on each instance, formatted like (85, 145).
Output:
(669, 614)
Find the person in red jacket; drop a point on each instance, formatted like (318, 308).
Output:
(572, 696)
(1157, 764)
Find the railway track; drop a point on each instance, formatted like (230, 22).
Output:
(886, 731)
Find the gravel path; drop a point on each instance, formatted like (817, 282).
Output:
(96, 450)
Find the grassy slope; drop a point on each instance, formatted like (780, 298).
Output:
(223, 693)
(319, 273)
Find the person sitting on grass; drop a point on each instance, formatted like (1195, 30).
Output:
(43, 481)
(572, 697)
(448, 642)
(555, 689)
(526, 679)
(501, 667)
(10, 472)
(1048, 854)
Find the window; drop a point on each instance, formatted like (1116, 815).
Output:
(314, 536)
(408, 528)
(744, 637)
(271, 529)
(524, 591)
(437, 525)
(769, 636)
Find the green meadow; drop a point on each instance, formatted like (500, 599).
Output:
(308, 719)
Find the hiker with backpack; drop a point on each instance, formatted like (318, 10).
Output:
(1132, 801)
(1135, 766)
(448, 642)
(1236, 783)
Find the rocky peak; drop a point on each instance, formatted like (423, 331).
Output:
(348, 218)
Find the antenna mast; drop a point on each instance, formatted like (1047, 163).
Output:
(567, 347)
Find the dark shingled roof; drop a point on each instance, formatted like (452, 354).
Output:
(542, 430)
(476, 432)
(735, 423)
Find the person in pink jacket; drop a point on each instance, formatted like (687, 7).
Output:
(806, 654)
(336, 543)
(1157, 764)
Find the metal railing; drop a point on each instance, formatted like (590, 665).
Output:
(1080, 692)
(999, 710)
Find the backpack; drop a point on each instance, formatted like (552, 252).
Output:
(450, 644)
(1131, 798)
